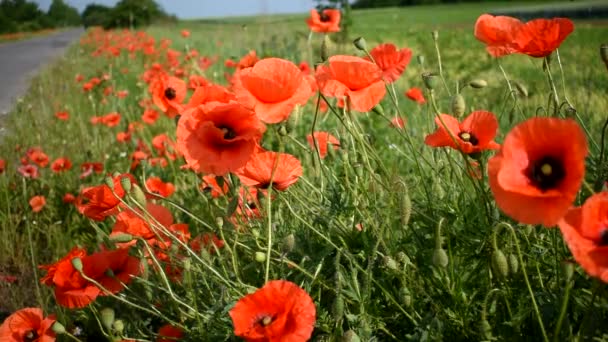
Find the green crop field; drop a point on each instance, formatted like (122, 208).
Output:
(392, 239)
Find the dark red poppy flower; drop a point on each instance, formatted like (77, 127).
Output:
(354, 77)
(206, 241)
(110, 119)
(392, 61)
(498, 33)
(323, 139)
(169, 333)
(328, 20)
(218, 138)
(585, 230)
(69, 198)
(475, 134)
(415, 94)
(61, 164)
(539, 169)
(540, 37)
(265, 166)
(279, 311)
(2, 166)
(27, 324)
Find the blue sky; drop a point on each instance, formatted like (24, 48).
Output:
(210, 8)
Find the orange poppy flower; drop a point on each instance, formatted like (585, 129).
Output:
(498, 33)
(168, 93)
(195, 81)
(37, 203)
(272, 88)
(98, 202)
(29, 171)
(475, 134)
(279, 311)
(131, 222)
(282, 168)
(392, 61)
(169, 333)
(27, 324)
(209, 93)
(218, 139)
(61, 164)
(415, 94)
(64, 116)
(36, 155)
(354, 77)
(323, 139)
(539, 169)
(326, 21)
(123, 137)
(156, 186)
(540, 37)
(185, 33)
(586, 234)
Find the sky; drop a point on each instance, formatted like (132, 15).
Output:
(189, 9)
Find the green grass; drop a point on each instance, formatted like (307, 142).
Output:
(388, 181)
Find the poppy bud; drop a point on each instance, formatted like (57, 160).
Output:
(360, 44)
(420, 59)
(350, 336)
(500, 264)
(121, 237)
(118, 326)
(138, 195)
(220, 181)
(485, 330)
(109, 182)
(338, 307)
(282, 131)
(403, 258)
(58, 328)
(324, 49)
(219, 221)
(568, 269)
(604, 53)
(478, 83)
(406, 296)
(390, 263)
(288, 243)
(458, 105)
(187, 263)
(77, 264)
(570, 112)
(440, 258)
(431, 80)
(125, 182)
(523, 91)
(260, 257)
(435, 34)
(107, 317)
(291, 121)
(378, 109)
(513, 263)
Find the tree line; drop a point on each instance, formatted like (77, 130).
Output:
(398, 3)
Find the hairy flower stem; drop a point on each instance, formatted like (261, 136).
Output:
(30, 243)
(552, 85)
(601, 168)
(269, 215)
(562, 313)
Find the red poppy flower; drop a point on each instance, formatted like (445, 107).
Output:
(69, 198)
(272, 88)
(27, 324)
(475, 134)
(207, 241)
(131, 222)
(61, 164)
(209, 93)
(168, 93)
(123, 137)
(279, 311)
(356, 78)
(111, 119)
(121, 94)
(585, 230)
(195, 81)
(29, 171)
(323, 139)
(99, 202)
(185, 33)
(35, 155)
(2, 166)
(392, 61)
(498, 33)
(156, 186)
(89, 167)
(540, 37)
(415, 94)
(37, 203)
(218, 139)
(150, 116)
(169, 333)
(123, 268)
(210, 184)
(398, 122)
(8, 279)
(64, 116)
(539, 169)
(282, 168)
(326, 21)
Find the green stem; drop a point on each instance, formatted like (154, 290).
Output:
(562, 313)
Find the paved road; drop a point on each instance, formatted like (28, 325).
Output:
(21, 60)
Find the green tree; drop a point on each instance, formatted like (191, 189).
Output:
(62, 14)
(96, 15)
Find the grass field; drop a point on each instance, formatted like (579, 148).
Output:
(392, 239)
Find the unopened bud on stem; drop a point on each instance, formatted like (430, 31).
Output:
(360, 44)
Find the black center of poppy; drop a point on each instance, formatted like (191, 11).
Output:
(468, 137)
(229, 133)
(170, 93)
(603, 237)
(30, 336)
(324, 17)
(547, 173)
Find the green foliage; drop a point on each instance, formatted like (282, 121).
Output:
(96, 15)
(63, 15)
(135, 13)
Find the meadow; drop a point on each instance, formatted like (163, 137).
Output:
(391, 238)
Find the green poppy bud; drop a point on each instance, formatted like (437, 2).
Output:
(77, 264)
(107, 317)
(390, 263)
(118, 326)
(325, 49)
(568, 269)
(431, 80)
(260, 257)
(485, 329)
(289, 243)
(58, 328)
(406, 296)
(360, 44)
(440, 258)
(125, 182)
(338, 307)
(378, 109)
(350, 336)
(435, 34)
(121, 237)
(521, 89)
(420, 59)
(458, 105)
(500, 264)
(513, 263)
(138, 195)
(109, 182)
(282, 131)
(478, 83)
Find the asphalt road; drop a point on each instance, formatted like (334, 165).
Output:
(21, 60)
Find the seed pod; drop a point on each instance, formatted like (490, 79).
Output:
(289, 243)
(58, 328)
(390, 263)
(521, 89)
(431, 80)
(360, 44)
(138, 195)
(219, 221)
(350, 336)
(125, 182)
(283, 131)
(458, 105)
(260, 257)
(107, 317)
(478, 83)
(500, 264)
(118, 326)
(513, 263)
(440, 258)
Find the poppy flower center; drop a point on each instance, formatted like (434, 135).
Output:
(228, 132)
(547, 173)
(170, 93)
(468, 137)
(603, 237)
(265, 320)
(324, 17)
(30, 336)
